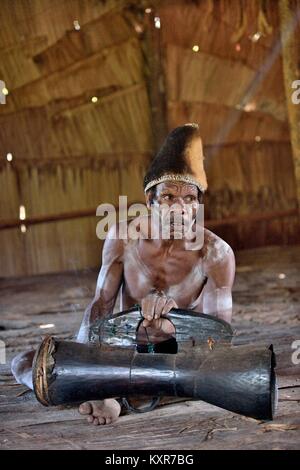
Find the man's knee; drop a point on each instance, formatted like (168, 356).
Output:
(21, 363)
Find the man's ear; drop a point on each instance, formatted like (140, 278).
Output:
(148, 197)
(200, 196)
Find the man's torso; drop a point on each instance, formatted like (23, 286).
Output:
(179, 273)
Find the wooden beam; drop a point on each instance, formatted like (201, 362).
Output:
(42, 219)
(244, 219)
(212, 223)
(155, 79)
(112, 160)
(289, 12)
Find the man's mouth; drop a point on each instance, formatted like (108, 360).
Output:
(179, 224)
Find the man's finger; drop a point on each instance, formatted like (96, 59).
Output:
(168, 306)
(161, 301)
(148, 306)
(146, 323)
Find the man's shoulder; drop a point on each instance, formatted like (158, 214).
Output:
(114, 240)
(215, 249)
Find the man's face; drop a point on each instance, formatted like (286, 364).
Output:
(178, 204)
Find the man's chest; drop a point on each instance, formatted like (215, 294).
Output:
(175, 273)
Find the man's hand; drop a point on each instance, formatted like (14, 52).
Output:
(155, 305)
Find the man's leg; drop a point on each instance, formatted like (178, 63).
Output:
(21, 367)
(97, 412)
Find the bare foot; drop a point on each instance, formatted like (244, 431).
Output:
(101, 412)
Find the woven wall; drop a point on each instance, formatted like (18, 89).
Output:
(70, 154)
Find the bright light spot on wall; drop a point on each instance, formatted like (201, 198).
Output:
(238, 47)
(157, 22)
(47, 325)
(94, 99)
(22, 213)
(138, 28)
(255, 37)
(195, 48)
(76, 25)
(23, 228)
(148, 11)
(257, 138)
(281, 276)
(9, 157)
(250, 107)
(5, 91)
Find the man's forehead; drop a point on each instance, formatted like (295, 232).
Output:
(178, 186)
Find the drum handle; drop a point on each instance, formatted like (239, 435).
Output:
(153, 404)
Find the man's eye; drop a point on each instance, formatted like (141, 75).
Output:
(189, 199)
(167, 197)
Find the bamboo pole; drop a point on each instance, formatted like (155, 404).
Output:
(155, 78)
(289, 12)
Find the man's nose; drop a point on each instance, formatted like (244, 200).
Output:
(179, 200)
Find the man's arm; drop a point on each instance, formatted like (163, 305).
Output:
(108, 283)
(217, 297)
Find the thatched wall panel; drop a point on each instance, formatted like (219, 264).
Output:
(29, 134)
(17, 68)
(246, 15)
(66, 191)
(252, 179)
(212, 118)
(111, 125)
(63, 189)
(204, 25)
(119, 68)
(32, 19)
(131, 180)
(10, 189)
(249, 177)
(13, 258)
(73, 242)
(212, 77)
(108, 31)
(268, 91)
(205, 78)
(282, 231)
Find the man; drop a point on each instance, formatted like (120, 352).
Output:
(159, 273)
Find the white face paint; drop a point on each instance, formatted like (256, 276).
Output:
(216, 250)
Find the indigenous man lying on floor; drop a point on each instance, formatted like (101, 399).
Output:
(164, 272)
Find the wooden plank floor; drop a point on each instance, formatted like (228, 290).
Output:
(266, 310)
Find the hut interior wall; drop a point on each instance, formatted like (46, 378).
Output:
(70, 153)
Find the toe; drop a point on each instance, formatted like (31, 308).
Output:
(101, 420)
(85, 408)
(90, 419)
(96, 422)
(108, 420)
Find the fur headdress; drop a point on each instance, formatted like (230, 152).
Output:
(179, 159)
